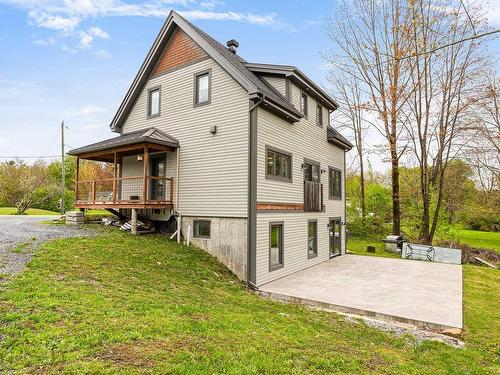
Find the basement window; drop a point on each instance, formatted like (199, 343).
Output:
(201, 229)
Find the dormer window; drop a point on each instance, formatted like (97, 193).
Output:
(202, 88)
(319, 115)
(154, 102)
(303, 104)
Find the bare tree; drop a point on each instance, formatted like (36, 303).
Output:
(442, 88)
(351, 115)
(369, 37)
(482, 144)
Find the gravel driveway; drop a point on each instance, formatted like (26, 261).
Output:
(20, 235)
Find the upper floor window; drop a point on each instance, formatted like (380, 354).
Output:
(278, 165)
(303, 104)
(202, 88)
(312, 171)
(154, 102)
(319, 115)
(334, 183)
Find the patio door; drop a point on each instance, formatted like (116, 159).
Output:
(158, 169)
(335, 231)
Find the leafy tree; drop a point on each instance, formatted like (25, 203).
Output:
(23, 186)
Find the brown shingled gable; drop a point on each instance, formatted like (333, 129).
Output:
(180, 50)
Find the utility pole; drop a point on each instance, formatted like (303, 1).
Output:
(63, 171)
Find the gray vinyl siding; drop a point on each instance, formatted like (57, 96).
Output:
(132, 167)
(213, 168)
(277, 82)
(303, 140)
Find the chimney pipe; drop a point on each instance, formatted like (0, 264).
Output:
(232, 45)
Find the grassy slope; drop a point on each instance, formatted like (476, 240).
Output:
(475, 238)
(117, 302)
(31, 211)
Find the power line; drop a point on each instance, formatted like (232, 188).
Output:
(30, 157)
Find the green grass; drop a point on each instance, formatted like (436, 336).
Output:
(31, 211)
(98, 213)
(479, 239)
(357, 245)
(118, 303)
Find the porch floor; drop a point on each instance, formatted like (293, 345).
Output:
(425, 294)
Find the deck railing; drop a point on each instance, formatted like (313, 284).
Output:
(125, 190)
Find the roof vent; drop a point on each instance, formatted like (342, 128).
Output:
(232, 45)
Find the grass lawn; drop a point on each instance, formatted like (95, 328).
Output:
(31, 211)
(479, 239)
(356, 245)
(118, 303)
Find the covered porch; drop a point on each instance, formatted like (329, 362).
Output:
(139, 177)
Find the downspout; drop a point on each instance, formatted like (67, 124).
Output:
(252, 194)
(179, 216)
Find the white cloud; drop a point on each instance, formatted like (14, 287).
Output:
(65, 48)
(103, 54)
(66, 15)
(87, 110)
(44, 42)
(88, 37)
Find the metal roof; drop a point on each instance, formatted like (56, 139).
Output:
(149, 135)
(338, 139)
(297, 75)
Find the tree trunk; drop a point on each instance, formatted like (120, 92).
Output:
(396, 212)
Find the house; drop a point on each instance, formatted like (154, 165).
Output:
(241, 154)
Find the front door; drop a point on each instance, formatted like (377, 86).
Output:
(335, 237)
(157, 185)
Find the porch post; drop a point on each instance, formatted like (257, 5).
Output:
(114, 177)
(133, 221)
(77, 178)
(146, 165)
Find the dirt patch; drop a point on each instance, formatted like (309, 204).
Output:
(469, 253)
(144, 354)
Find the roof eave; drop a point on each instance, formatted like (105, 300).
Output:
(147, 66)
(296, 74)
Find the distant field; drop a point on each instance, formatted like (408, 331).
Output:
(31, 211)
(476, 238)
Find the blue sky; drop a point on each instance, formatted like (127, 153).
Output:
(73, 60)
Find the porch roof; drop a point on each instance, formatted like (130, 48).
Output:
(150, 137)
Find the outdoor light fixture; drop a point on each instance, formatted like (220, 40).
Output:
(139, 157)
(323, 170)
(213, 129)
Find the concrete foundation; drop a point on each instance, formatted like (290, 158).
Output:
(227, 242)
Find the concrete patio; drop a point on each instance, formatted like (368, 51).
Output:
(425, 294)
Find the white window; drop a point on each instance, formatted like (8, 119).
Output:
(202, 88)
(154, 102)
